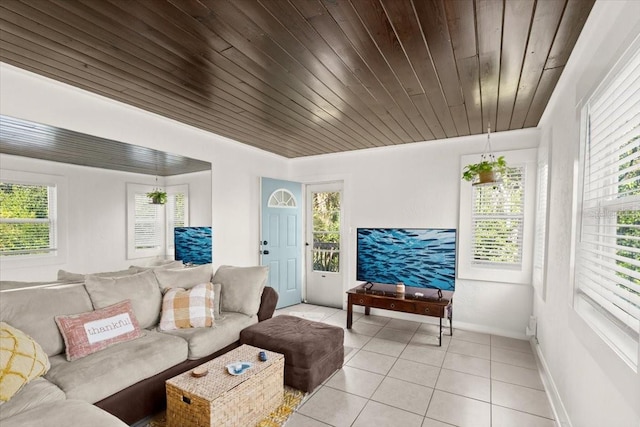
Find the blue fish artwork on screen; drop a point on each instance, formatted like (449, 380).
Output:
(193, 245)
(420, 257)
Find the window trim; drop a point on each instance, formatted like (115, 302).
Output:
(59, 255)
(507, 274)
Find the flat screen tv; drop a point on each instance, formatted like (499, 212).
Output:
(193, 245)
(420, 257)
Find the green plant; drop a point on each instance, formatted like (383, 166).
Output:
(157, 196)
(471, 171)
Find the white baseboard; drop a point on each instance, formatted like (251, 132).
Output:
(445, 322)
(559, 411)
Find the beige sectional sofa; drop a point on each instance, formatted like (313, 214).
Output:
(125, 379)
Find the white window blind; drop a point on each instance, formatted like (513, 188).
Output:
(148, 226)
(498, 221)
(607, 276)
(27, 219)
(177, 212)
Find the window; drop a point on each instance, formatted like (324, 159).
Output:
(148, 221)
(607, 252)
(32, 219)
(496, 222)
(326, 231)
(27, 219)
(542, 212)
(177, 212)
(282, 198)
(150, 227)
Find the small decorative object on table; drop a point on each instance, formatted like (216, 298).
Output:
(263, 356)
(400, 288)
(200, 371)
(238, 368)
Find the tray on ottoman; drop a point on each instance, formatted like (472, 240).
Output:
(222, 399)
(312, 350)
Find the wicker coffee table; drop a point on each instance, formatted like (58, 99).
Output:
(222, 399)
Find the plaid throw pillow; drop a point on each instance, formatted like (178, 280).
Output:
(191, 308)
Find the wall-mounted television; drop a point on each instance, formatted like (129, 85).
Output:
(193, 245)
(420, 257)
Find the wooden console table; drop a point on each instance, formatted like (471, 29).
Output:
(432, 302)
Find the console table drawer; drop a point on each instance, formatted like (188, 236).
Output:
(371, 301)
(430, 309)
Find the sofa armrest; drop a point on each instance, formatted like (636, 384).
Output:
(268, 303)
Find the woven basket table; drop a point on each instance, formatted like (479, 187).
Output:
(222, 399)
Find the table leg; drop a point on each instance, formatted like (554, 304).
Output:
(451, 320)
(440, 337)
(349, 314)
(367, 310)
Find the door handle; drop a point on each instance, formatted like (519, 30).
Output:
(264, 252)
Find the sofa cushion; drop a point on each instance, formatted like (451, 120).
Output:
(204, 341)
(37, 392)
(187, 308)
(21, 360)
(15, 284)
(86, 333)
(33, 310)
(164, 265)
(141, 288)
(64, 413)
(185, 278)
(106, 372)
(241, 288)
(79, 277)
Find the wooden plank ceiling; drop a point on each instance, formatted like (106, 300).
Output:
(23, 138)
(307, 77)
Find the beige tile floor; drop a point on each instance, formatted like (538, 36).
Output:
(395, 374)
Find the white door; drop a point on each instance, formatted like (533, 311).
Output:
(324, 257)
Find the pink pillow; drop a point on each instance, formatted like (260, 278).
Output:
(89, 332)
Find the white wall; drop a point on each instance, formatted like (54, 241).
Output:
(595, 387)
(236, 168)
(418, 185)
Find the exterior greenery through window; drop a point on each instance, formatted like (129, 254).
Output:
(27, 217)
(628, 221)
(326, 231)
(498, 221)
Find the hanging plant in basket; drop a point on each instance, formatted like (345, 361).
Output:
(488, 170)
(157, 197)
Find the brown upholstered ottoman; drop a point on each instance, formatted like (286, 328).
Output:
(312, 350)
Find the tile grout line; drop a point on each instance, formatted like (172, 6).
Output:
(398, 358)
